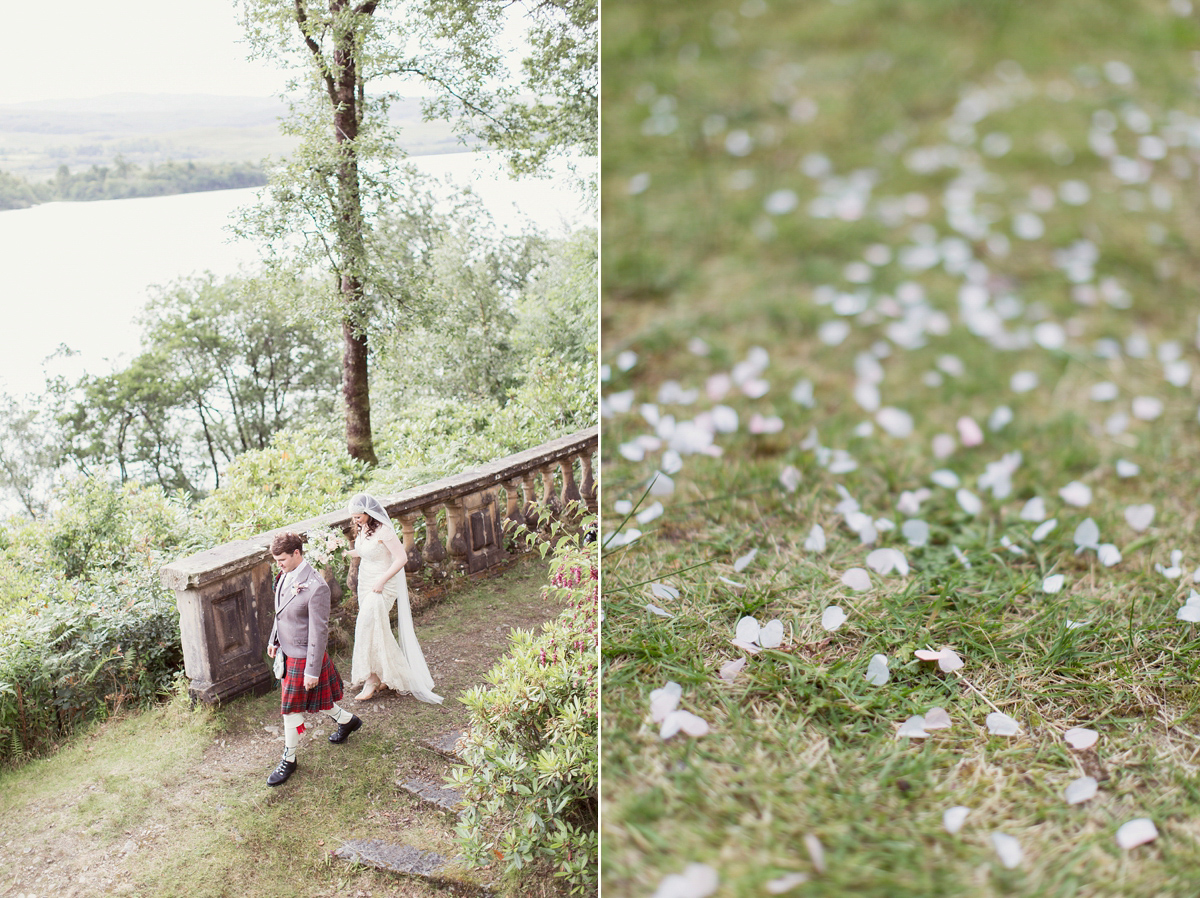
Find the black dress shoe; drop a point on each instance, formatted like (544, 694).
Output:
(280, 774)
(345, 729)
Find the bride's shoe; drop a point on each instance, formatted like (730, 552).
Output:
(369, 689)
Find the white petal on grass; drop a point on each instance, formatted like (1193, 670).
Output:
(915, 531)
(946, 479)
(730, 669)
(1053, 583)
(1000, 418)
(1008, 850)
(781, 202)
(742, 563)
(1000, 724)
(1191, 609)
(661, 485)
(1139, 517)
(1023, 382)
(1136, 832)
(1087, 534)
(896, 422)
(771, 634)
(1043, 530)
(1127, 468)
(815, 851)
(884, 561)
(833, 333)
(785, 883)
(943, 445)
(950, 661)
(623, 506)
(664, 591)
(696, 881)
(1034, 509)
(1147, 408)
(1081, 737)
(1081, 790)
(725, 419)
(913, 728)
(816, 539)
(790, 478)
(937, 719)
(1105, 391)
(650, 513)
(954, 818)
(654, 609)
(664, 700)
(968, 431)
(747, 630)
(969, 502)
(832, 618)
(1076, 493)
(683, 722)
(877, 670)
(1108, 554)
(857, 579)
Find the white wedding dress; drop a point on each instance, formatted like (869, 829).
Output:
(399, 664)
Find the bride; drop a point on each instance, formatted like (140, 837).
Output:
(379, 659)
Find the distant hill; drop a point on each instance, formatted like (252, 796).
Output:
(38, 137)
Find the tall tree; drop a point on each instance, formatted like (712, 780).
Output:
(325, 191)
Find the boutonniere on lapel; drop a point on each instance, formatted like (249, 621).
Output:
(297, 588)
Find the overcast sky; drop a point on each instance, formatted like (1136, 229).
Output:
(83, 48)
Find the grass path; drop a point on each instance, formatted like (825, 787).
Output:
(175, 802)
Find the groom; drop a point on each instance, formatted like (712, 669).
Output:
(310, 681)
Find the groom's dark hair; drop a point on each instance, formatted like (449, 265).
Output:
(287, 544)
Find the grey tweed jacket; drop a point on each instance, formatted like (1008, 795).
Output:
(302, 618)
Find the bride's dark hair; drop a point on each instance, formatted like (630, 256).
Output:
(371, 526)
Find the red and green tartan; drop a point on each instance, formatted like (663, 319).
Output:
(297, 700)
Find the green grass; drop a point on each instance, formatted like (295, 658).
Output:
(800, 743)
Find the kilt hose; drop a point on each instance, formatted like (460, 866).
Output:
(297, 700)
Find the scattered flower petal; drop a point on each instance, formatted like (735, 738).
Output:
(1043, 530)
(1053, 583)
(1000, 724)
(665, 700)
(747, 630)
(664, 591)
(771, 634)
(696, 881)
(1081, 790)
(1008, 850)
(1076, 493)
(785, 883)
(937, 719)
(1136, 832)
(1081, 737)
(730, 669)
(815, 851)
(832, 618)
(857, 579)
(954, 818)
(816, 539)
(1139, 517)
(742, 563)
(877, 670)
(683, 722)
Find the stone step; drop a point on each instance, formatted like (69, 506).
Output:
(394, 857)
(444, 745)
(434, 793)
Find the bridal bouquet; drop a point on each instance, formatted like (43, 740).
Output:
(326, 547)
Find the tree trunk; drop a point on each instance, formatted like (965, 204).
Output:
(354, 388)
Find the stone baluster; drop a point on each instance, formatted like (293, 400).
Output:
(530, 494)
(548, 497)
(408, 522)
(434, 550)
(570, 492)
(588, 488)
(456, 526)
(512, 491)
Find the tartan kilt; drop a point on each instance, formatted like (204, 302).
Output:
(297, 700)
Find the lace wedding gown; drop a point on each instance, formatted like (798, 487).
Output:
(399, 664)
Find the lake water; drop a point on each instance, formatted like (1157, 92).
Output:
(78, 274)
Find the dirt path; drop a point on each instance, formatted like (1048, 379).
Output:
(174, 801)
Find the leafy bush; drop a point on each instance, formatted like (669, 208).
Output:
(530, 749)
(300, 475)
(114, 644)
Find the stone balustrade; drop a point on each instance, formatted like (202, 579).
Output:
(225, 594)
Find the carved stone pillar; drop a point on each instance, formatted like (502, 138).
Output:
(548, 497)
(530, 495)
(456, 525)
(512, 491)
(570, 492)
(588, 487)
(484, 546)
(408, 523)
(434, 550)
(226, 610)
